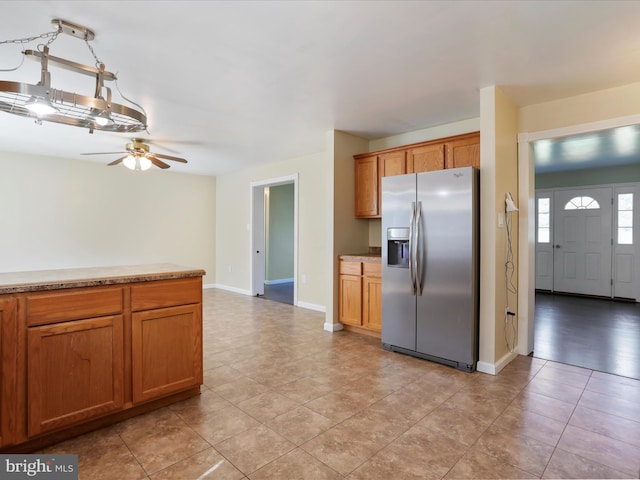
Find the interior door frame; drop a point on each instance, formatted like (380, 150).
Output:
(526, 217)
(257, 234)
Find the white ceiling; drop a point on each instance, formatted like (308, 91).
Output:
(234, 84)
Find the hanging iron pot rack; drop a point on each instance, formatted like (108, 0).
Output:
(44, 103)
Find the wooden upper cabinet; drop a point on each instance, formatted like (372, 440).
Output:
(367, 187)
(451, 152)
(426, 159)
(393, 163)
(464, 152)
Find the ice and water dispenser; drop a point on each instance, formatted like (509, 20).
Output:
(398, 247)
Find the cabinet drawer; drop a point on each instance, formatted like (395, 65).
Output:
(43, 308)
(166, 293)
(350, 268)
(372, 269)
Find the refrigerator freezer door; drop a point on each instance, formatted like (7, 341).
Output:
(447, 309)
(398, 301)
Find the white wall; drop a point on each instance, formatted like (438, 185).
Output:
(233, 219)
(59, 213)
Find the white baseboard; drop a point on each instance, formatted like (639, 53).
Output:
(231, 289)
(279, 280)
(312, 306)
(333, 327)
(495, 368)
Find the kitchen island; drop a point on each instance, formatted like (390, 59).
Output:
(83, 348)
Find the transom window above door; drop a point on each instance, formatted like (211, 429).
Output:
(582, 203)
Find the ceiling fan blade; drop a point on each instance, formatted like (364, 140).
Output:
(101, 153)
(116, 162)
(157, 162)
(169, 157)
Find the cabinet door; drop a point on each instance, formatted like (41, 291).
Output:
(367, 194)
(75, 372)
(393, 163)
(350, 307)
(426, 159)
(8, 369)
(372, 303)
(167, 351)
(372, 296)
(464, 152)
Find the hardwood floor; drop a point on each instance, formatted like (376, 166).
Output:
(279, 292)
(598, 334)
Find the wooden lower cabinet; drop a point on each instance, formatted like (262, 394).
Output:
(350, 310)
(372, 296)
(75, 372)
(8, 370)
(76, 359)
(167, 351)
(360, 296)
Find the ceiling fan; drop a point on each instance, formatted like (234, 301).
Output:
(138, 157)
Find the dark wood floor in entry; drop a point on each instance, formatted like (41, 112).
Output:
(279, 292)
(598, 334)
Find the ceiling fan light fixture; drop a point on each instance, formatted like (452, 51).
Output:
(136, 162)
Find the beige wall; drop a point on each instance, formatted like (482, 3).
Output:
(350, 234)
(591, 107)
(498, 175)
(233, 231)
(425, 134)
(59, 213)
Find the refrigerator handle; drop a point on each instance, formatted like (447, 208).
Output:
(418, 230)
(412, 242)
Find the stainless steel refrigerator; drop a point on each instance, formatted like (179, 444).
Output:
(430, 265)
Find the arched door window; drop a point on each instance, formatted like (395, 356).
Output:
(582, 203)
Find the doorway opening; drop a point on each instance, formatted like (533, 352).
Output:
(274, 239)
(542, 313)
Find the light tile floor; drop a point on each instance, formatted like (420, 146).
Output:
(283, 399)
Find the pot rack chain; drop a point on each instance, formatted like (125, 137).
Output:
(52, 38)
(21, 41)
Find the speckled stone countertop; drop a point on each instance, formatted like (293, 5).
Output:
(31, 281)
(361, 257)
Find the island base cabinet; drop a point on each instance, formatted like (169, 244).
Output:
(167, 351)
(8, 376)
(75, 372)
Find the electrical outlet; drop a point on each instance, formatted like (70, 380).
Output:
(500, 220)
(229, 269)
(303, 278)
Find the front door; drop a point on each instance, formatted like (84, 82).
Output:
(582, 241)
